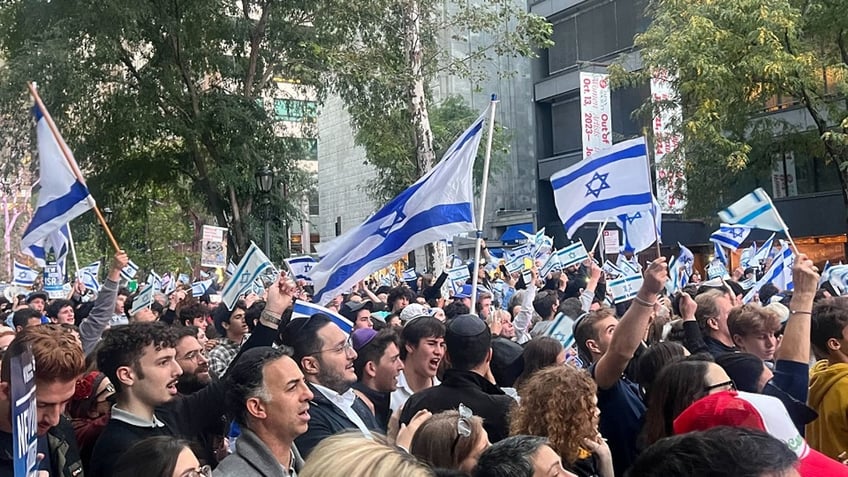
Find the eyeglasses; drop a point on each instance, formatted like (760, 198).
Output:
(463, 426)
(205, 471)
(345, 348)
(109, 389)
(731, 386)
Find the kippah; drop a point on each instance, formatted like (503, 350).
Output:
(466, 325)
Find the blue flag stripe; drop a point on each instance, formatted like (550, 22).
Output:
(608, 204)
(725, 241)
(242, 265)
(58, 207)
(754, 214)
(594, 164)
(442, 214)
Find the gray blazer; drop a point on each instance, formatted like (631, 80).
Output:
(253, 458)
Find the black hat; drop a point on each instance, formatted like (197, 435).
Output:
(507, 361)
(37, 294)
(349, 309)
(465, 326)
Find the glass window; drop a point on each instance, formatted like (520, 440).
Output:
(564, 52)
(566, 126)
(294, 109)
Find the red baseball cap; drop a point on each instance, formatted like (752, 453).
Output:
(757, 411)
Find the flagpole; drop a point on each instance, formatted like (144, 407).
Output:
(475, 278)
(598, 238)
(73, 250)
(71, 163)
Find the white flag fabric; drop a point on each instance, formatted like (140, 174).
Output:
(301, 267)
(305, 309)
(251, 266)
(763, 253)
(143, 300)
(199, 288)
(642, 228)
(754, 210)
(614, 182)
(747, 257)
(439, 205)
(89, 274)
(62, 197)
(24, 276)
(779, 274)
(572, 254)
(129, 271)
(623, 289)
(730, 236)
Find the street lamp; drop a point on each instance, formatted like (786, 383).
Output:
(265, 182)
(107, 214)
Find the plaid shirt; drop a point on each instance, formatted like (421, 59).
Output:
(221, 356)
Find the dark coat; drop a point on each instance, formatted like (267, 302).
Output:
(327, 419)
(467, 387)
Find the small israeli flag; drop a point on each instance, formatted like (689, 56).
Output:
(143, 300)
(562, 330)
(573, 254)
(24, 276)
(88, 275)
(716, 270)
(301, 267)
(184, 279)
(623, 289)
(550, 264)
(410, 275)
(730, 236)
(154, 279)
(231, 268)
(628, 267)
(611, 269)
(719, 253)
(304, 309)
(515, 265)
(129, 272)
(525, 250)
(763, 253)
(248, 270)
(754, 210)
(199, 288)
(748, 256)
(459, 273)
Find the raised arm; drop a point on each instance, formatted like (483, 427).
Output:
(628, 334)
(795, 345)
(588, 294)
(91, 328)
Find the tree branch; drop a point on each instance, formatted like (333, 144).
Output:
(256, 36)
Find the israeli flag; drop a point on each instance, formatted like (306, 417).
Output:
(184, 279)
(748, 283)
(573, 254)
(539, 242)
(516, 264)
(410, 275)
(562, 330)
(674, 272)
(623, 289)
(716, 270)
(642, 228)
(231, 268)
(838, 278)
(62, 197)
(754, 210)
(89, 274)
(199, 288)
(825, 273)
(143, 300)
(730, 236)
(686, 259)
(24, 276)
(779, 274)
(251, 266)
(628, 267)
(459, 273)
(58, 241)
(611, 269)
(550, 265)
(304, 309)
(612, 183)
(439, 205)
(386, 281)
(763, 253)
(154, 279)
(747, 256)
(129, 272)
(301, 267)
(719, 253)
(171, 286)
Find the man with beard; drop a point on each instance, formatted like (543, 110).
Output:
(377, 367)
(325, 355)
(192, 359)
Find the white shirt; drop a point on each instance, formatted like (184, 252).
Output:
(403, 392)
(345, 403)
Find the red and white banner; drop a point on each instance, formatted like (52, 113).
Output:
(669, 179)
(595, 111)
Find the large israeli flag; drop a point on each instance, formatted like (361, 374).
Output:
(730, 236)
(779, 274)
(24, 276)
(438, 206)
(58, 241)
(305, 309)
(612, 183)
(754, 210)
(641, 229)
(251, 266)
(62, 196)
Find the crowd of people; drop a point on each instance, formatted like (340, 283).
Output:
(692, 384)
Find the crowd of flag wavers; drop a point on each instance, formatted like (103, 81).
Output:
(546, 363)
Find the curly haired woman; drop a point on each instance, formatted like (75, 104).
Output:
(560, 403)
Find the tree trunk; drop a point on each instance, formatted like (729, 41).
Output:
(425, 156)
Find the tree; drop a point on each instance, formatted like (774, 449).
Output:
(169, 94)
(727, 59)
(401, 48)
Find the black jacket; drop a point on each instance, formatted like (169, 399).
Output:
(327, 419)
(64, 454)
(467, 387)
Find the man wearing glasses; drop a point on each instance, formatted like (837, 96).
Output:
(325, 354)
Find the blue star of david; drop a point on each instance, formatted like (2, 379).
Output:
(245, 279)
(384, 230)
(22, 275)
(602, 179)
(634, 217)
(307, 267)
(737, 232)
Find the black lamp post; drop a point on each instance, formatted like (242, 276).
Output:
(265, 182)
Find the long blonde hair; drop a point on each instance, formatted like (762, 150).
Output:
(352, 455)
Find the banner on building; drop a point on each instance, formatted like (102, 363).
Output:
(669, 177)
(213, 247)
(595, 112)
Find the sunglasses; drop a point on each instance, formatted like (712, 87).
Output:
(463, 426)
